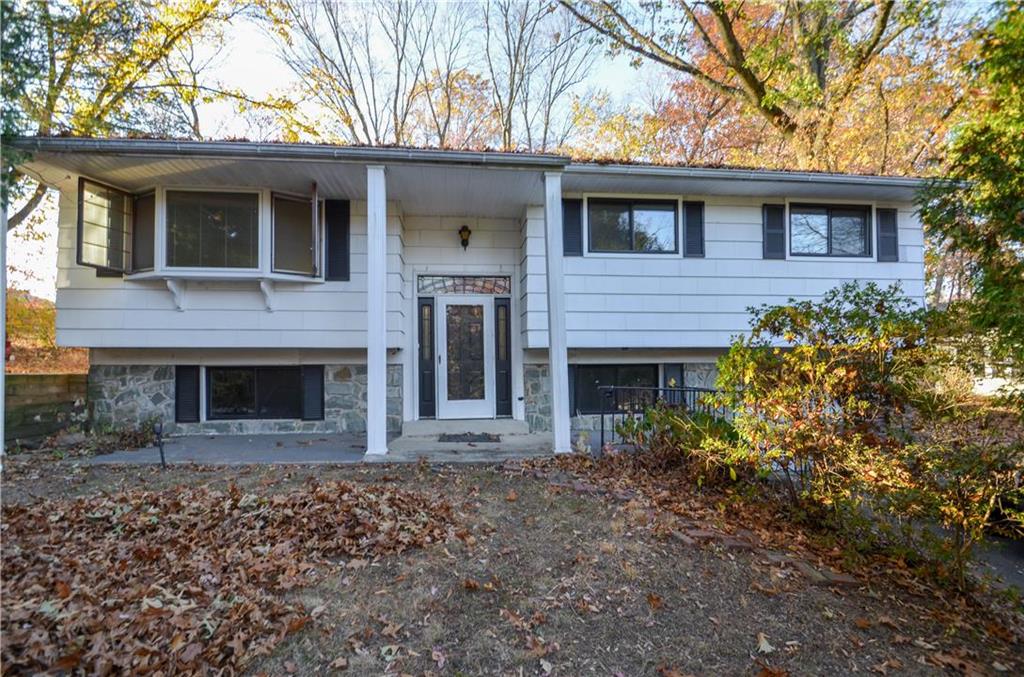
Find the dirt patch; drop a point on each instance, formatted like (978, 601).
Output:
(544, 576)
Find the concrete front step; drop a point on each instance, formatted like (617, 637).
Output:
(407, 449)
(493, 426)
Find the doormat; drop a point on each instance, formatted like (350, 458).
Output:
(469, 437)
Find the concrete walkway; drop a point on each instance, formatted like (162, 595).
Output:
(246, 449)
(287, 449)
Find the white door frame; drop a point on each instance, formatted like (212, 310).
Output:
(455, 409)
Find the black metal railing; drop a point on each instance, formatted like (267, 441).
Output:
(621, 402)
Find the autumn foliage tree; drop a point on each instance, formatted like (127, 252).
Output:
(976, 210)
(98, 69)
(838, 86)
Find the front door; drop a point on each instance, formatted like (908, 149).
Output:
(465, 356)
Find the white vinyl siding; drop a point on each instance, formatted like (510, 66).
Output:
(621, 301)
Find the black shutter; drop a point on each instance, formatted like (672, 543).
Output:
(312, 392)
(572, 390)
(503, 357)
(426, 358)
(572, 227)
(693, 229)
(186, 394)
(336, 216)
(774, 231)
(888, 236)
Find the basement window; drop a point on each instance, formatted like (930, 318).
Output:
(587, 379)
(264, 393)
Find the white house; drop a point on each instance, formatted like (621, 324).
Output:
(255, 287)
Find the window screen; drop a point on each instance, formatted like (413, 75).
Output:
(212, 229)
(294, 240)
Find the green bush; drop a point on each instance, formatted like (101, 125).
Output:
(812, 387)
(670, 436)
(862, 406)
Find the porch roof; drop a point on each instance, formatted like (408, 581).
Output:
(425, 181)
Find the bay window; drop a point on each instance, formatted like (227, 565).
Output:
(818, 230)
(212, 229)
(198, 230)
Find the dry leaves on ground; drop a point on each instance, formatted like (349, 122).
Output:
(185, 579)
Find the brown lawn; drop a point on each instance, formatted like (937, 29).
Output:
(470, 570)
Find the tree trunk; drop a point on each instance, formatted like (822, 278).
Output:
(15, 220)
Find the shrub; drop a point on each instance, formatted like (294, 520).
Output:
(961, 464)
(811, 387)
(672, 437)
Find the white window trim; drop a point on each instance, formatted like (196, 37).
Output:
(827, 202)
(585, 220)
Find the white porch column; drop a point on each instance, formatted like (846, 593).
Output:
(376, 311)
(558, 357)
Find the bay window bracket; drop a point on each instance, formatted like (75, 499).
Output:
(267, 287)
(177, 289)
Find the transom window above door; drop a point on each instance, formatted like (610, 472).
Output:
(463, 284)
(644, 226)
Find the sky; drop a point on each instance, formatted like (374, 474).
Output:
(249, 62)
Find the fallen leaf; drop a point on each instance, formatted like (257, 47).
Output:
(512, 496)
(340, 663)
(762, 644)
(654, 601)
(470, 584)
(862, 623)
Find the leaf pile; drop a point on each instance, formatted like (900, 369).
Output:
(186, 579)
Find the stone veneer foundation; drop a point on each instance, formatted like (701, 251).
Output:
(128, 397)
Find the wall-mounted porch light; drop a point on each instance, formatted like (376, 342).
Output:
(464, 234)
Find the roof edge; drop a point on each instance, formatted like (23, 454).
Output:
(284, 151)
(745, 174)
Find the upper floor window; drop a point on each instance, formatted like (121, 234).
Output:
(226, 231)
(295, 236)
(104, 227)
(632, 225)
(817, 230)
(212, 229)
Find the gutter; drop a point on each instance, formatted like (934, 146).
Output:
(246, 150)
(649, 171)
